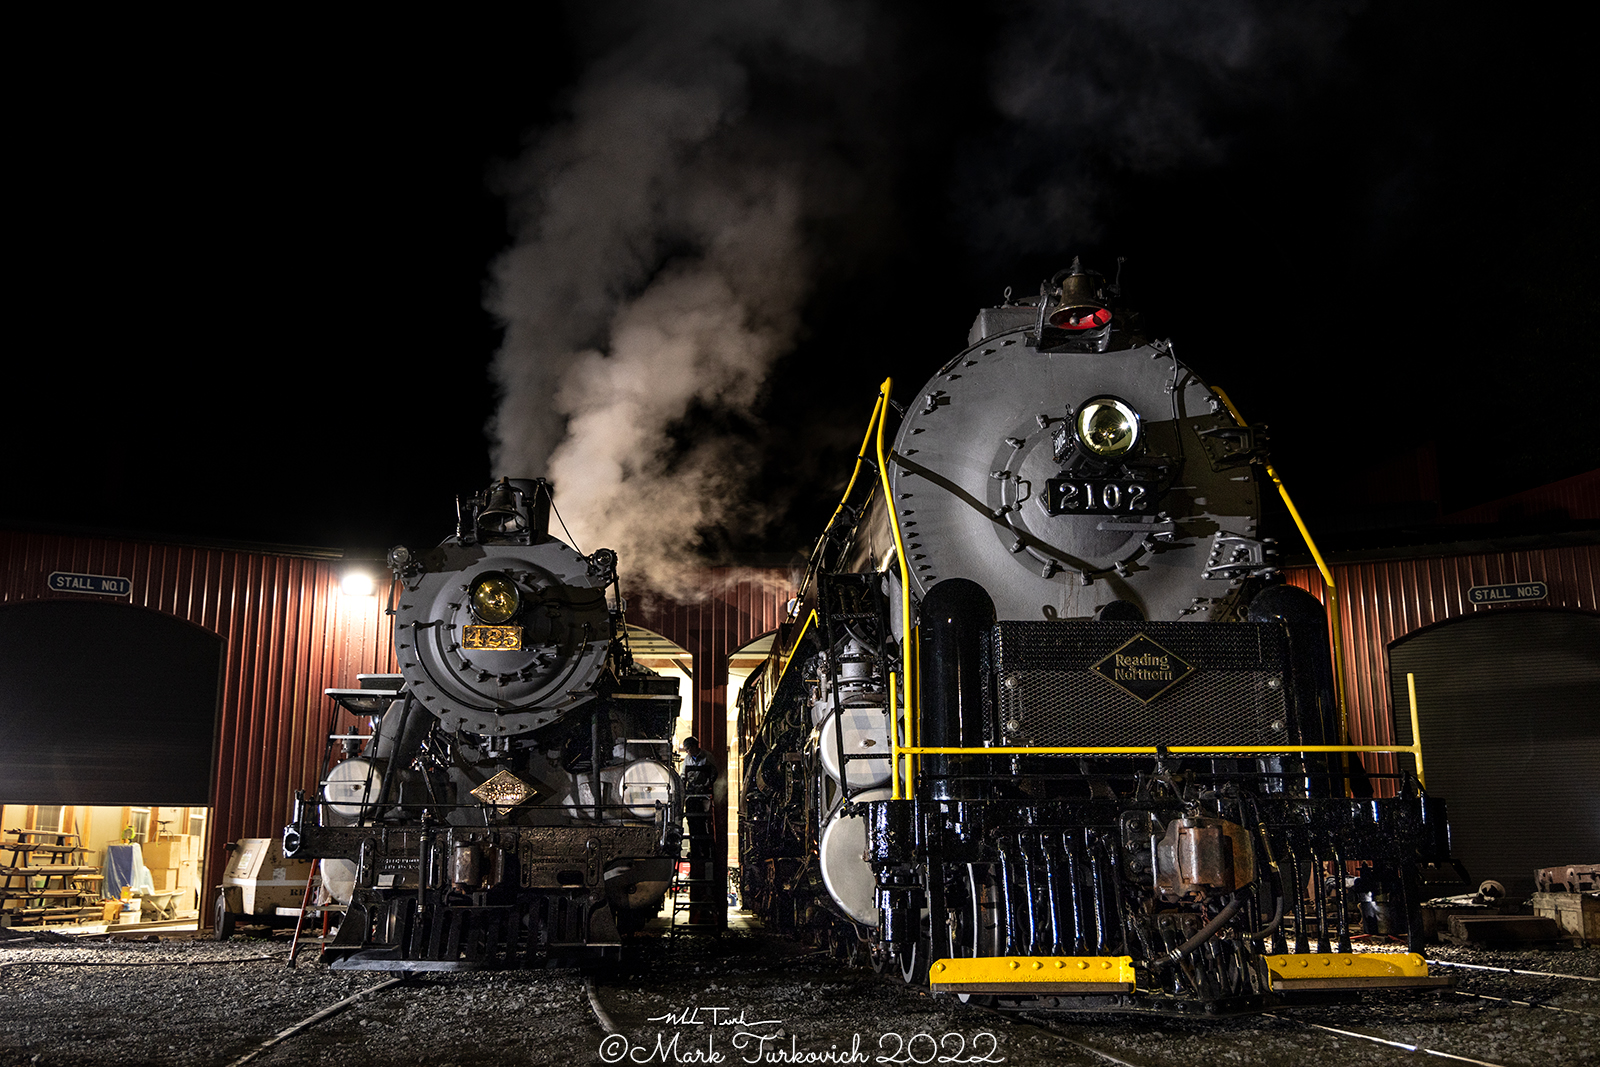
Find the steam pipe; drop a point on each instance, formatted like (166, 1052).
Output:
(1008, 899)
(1030, 895)
(1205, 934)
(1053, 888)
(956, 616)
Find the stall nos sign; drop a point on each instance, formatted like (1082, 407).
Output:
(98, 584)
(1514, 593)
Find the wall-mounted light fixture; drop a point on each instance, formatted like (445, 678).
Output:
(358, 582)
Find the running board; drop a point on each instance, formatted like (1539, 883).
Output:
(1041, 975)
(1099, 975)
(1352, 970)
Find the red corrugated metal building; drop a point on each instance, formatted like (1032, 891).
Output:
(1386, 595)
(1500, 630)
(735, 606)
(1380, 602)
(287, 634)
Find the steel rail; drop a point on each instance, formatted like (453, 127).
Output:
(1406, 1045)
(315, 1018)
(1528, 1003)
(1512, 970)
(1049, 1026)
(1045, 1025)
(600, 1015)
(1102, 1053)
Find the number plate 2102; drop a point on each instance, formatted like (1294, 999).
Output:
(1092, 496)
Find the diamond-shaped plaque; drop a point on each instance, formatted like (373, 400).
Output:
(1143, 669)
(505, 791)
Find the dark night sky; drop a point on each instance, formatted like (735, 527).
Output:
(253, 273)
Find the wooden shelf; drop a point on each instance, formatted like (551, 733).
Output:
(70, 889)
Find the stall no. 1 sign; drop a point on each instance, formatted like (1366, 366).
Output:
(97, 584)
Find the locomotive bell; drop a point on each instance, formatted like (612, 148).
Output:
(516, 509)
(500, 514)
(1080, 306)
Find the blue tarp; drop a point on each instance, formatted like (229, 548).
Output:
(125, 867)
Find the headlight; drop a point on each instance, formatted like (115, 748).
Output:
(1107, 427)
(495, 598)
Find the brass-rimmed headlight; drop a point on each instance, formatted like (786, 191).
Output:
(1106, 427)
(495, 598)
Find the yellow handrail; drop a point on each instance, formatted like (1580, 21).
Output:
(1222, 748)
(861, 457)
(1416, 729)
(894, 744)
(784, 661)
(1335, 627)
(907, 640)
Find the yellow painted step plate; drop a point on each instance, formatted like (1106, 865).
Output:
(1350, 970)
(1069, 975)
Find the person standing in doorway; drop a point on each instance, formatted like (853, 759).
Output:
(699, 817)
(699, 773)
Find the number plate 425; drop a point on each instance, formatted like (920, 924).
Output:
(1092, 496)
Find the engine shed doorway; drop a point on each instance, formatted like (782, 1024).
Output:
(104, 703)
(1508, 704)
(663, 655)
(742, 663)
(108, 726)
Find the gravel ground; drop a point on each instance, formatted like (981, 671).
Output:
(181, 1001)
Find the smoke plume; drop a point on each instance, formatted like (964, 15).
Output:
(1093, 91)
(662, 230)
(658, 270)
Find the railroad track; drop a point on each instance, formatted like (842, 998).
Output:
(1446, 1029)
(1130, 1045)
(327, 1013)
(316, 1017)
(601, 1016)
(1308, 1034)
(1478, 969)
(1500, 1017)
(1128, 1050)
(1513, 970)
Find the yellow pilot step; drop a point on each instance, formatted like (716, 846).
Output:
(1071, 975)
(1350, 970)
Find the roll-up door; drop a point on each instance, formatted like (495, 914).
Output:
(104, 703)
(1509, 709)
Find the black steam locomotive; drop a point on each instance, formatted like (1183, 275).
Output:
(514, 802)
(1046, 726)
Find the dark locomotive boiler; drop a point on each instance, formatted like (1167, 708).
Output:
(513, 802)
(1046, 726)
